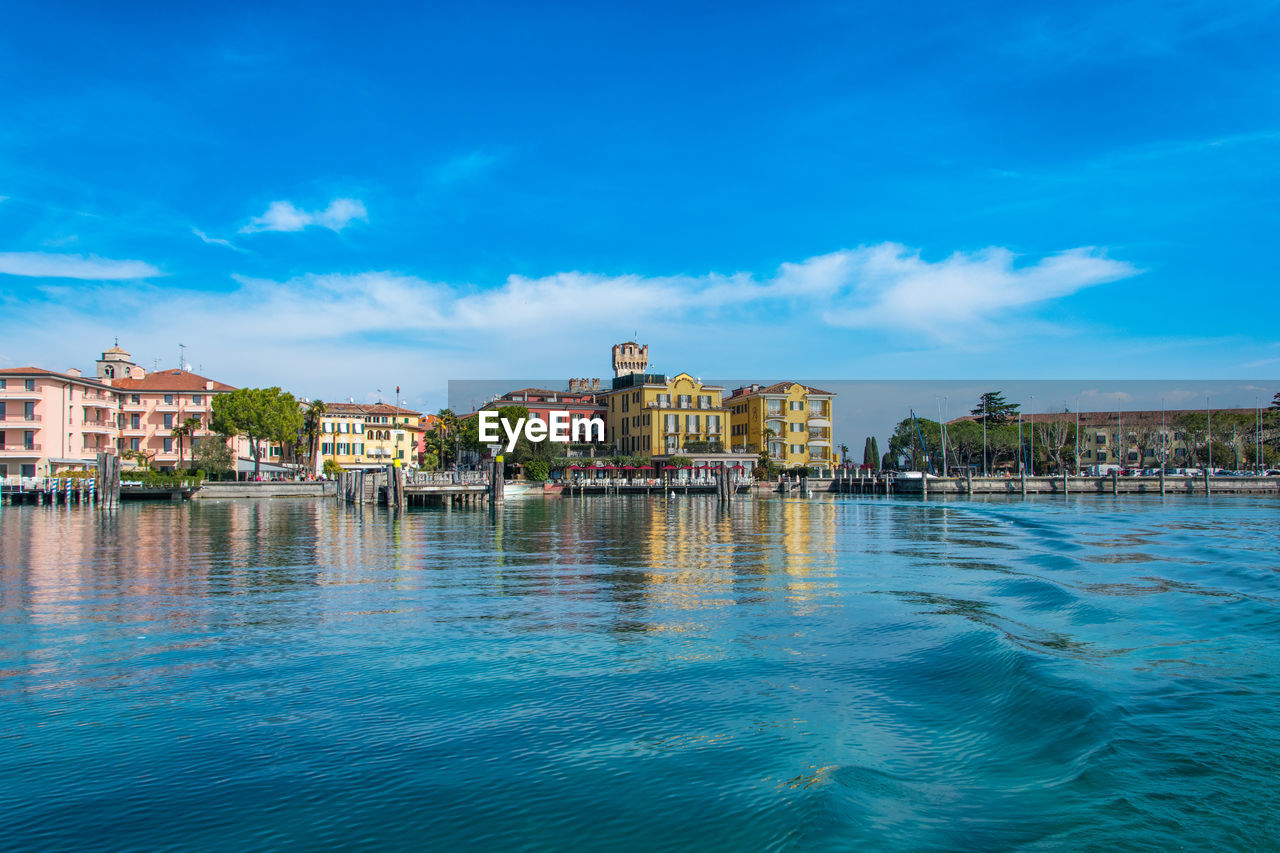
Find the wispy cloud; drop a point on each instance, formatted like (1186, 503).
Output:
(215, 241)
(90, 268)
(892, 287)
(887, 288)
(284, 216)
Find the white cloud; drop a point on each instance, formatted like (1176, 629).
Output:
(93, 268)
(335, 334)
(215, 241)
(283, 216)
(892, 287)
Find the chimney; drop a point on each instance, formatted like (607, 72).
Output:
(595, 384)
(74, 371)
(208, 385)
(136, 372)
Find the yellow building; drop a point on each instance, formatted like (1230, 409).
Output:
(650, 415)
(369, 436)
(793, 422)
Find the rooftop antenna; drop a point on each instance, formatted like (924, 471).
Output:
(379, 396)
(182, 355)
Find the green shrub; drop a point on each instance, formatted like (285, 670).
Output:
(536, 470)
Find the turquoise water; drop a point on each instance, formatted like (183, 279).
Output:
(632, 673)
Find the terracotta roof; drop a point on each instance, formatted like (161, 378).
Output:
(777, 388)
(367, 409)
(170, 380)
(40, 371)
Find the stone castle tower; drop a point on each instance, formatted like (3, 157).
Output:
(629, 357)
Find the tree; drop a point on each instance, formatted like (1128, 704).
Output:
(876, 461)
(994, 409)
(332, 468)
(142, 457)
(259, 414)
(1053, 441)
(536, 470)
(905, 442)
(183, 430)
(869, 454)
(844, 454)
(212, 455)
(312, 425)
(429, 462)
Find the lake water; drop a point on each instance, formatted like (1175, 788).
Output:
(634, 673)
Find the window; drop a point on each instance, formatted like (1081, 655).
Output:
(670, 424)
(168, 444)
(326, 448)
(168, 399)
(135, 444)
(28, 470)
(168, 420)
(29, 411)
(135, 421)
(29, 439)
(691, 424)
(4, 383)
(197, 398)
(685, 400)
(704, 401)
(29, 384)
(797, 448)
(135, 398)
(713, 423)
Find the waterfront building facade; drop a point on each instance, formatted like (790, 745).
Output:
(1173, 438)
(152, 404)
(647, 414)
(360, 435)
(790, 421)
(579, 402)
(51, 421)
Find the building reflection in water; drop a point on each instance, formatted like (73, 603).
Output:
(618, 567)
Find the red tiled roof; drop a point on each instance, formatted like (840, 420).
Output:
(170, 380)
(40, 371)
(367, 409)
(777, 388)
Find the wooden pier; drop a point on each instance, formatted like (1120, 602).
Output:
(394, 487)
(1111, 484)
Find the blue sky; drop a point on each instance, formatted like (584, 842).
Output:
(338, 198)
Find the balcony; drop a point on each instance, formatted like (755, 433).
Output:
(101, 427)
(19, 419)
(94, 451)
(20, 450)
(20, 394)
(819, 442)
(97, 401)
(133, 407)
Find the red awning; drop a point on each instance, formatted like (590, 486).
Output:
(738, 468)
(670, 468)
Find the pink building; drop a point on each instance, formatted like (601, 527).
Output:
(52, 421)
(152, 404)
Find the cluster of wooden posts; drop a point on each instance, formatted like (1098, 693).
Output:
(394, 487)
